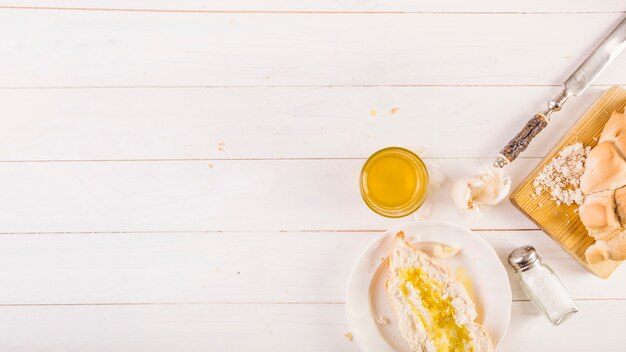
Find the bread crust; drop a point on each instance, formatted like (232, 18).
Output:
(598, 214)
(605, 169)
(412, 329)
(615, 131)
(603, 183)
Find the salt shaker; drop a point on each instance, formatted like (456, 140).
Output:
(542, 285)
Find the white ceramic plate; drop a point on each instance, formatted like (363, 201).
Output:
(366, 298)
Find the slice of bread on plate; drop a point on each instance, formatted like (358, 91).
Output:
(435, 312)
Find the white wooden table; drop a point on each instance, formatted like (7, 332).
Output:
(182, 175)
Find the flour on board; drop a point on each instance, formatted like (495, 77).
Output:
(561, 176)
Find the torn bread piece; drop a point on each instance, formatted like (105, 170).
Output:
(615, 131)
(620, 205)
(598, 215)
(603, 211)
(435, 312)
(605, 169)
(613, 249)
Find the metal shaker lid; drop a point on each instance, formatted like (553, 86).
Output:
(524, 258)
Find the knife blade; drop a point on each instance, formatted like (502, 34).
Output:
(573, 86)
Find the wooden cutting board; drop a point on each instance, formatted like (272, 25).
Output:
(562, 222)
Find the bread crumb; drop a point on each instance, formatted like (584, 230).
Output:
(373, 113)
(561, 176)
(348, 336)
(382, 320)
(394, 110)
(221, 145)
(210, 166)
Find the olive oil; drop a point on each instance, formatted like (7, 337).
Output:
(394, 182)
(441, 326)
(463, 276)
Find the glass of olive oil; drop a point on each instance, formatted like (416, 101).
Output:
(394, 182)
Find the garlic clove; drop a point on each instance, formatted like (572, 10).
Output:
(486, 188)
(445, 251)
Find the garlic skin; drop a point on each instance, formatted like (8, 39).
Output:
(486, 188)
(444, 252)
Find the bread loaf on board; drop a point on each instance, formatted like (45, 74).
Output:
(603, 183)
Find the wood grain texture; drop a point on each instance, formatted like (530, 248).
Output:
(206, 327)
(228, 267)
(562, 222)
(279, 122)
(586, 331)
(235, 219)
(233, 195)
(536, 6)
(70, 48)
(266, 327)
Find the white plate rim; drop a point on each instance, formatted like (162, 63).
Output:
(355, 299)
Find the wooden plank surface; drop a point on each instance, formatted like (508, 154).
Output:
(536, 6)
(181, 175)
(312, 122)
(46, 49)
(265, 327)
(562, 222)
(250, 195)
(228, 267)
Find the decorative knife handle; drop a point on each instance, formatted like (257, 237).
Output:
(520, 142)
(597, 61)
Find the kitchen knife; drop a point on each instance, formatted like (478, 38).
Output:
(597, 61)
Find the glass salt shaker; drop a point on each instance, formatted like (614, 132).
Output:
(542, 285)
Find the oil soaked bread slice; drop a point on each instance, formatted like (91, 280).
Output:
(435, 312)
